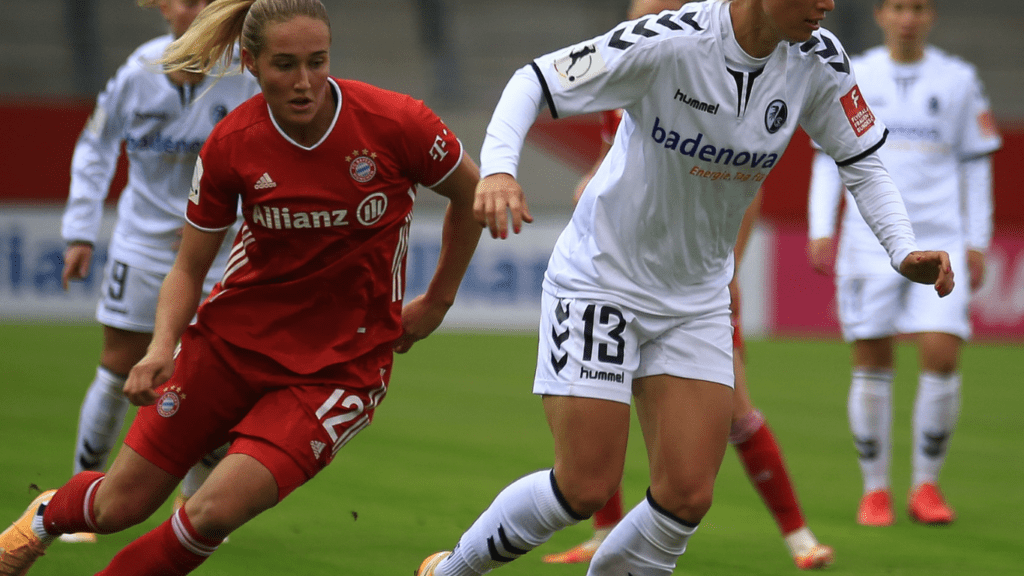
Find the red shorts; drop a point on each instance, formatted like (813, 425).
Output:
(292, 424)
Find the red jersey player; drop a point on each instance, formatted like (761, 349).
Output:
(292, 352)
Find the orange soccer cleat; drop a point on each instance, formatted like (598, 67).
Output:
(927, 506)
(582, 553)
(427, 566)
(820, 556)
(876, 509)
(19, 545)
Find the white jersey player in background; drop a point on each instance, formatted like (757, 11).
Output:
(163, 121)
(636, 300)
(941, 136)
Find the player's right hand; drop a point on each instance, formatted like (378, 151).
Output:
(930, 267)
(145, 377)
(498, 196)
(77, 257)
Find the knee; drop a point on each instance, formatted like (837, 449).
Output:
(119, 513)
(218, 517)
(587, 495)
(942, 366)
(689, 502)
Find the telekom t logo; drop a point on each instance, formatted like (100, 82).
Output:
(439, 150)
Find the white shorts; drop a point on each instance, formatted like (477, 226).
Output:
(128, 297)
(879, 306)
(591, 349)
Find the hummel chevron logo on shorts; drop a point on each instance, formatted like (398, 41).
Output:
(265, 182)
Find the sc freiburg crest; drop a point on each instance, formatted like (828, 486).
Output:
(775, 116)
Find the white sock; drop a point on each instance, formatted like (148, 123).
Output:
(647, 541)
(523, 516)
(936, 411)
(100, 421)
(800, 541)
(870, 411)
(37, 525)
(199, 472)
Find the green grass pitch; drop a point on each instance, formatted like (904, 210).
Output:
(460, 423)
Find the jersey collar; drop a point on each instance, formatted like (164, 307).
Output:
(337, 112)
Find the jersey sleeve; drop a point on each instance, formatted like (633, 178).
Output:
(94, 162)
(431, 149)
(213, 197)
(978, 132)
(837, 117)
(611, 71)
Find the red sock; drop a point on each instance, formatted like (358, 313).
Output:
(173, 548)
(611, 513)
(762, 460)
(70, 509)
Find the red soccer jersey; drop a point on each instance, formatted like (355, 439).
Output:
(317, 273)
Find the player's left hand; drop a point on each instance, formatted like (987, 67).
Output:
(929, 267)
(420, 317)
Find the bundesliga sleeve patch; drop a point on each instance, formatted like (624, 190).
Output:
(581, 65)
(987, 124)
(857, 111)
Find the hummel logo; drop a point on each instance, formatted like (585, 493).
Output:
(934, 443)
(317, 447)
(562, 313)
(867, 448)
(265, 182)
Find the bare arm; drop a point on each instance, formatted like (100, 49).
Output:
(976, 188)
(460, 235)
(179, 298)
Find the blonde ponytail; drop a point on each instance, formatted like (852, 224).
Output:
(211, 39)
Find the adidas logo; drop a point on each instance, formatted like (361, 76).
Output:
(265, 182)
(317, 447)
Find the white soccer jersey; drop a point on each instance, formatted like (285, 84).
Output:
(703, 125)
(163, 127)
(938, 117)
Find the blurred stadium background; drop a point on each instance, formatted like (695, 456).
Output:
(55, 55)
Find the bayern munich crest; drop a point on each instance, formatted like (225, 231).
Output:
(169, 402)
(362, 167)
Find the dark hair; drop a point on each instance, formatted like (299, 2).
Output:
(932, 3)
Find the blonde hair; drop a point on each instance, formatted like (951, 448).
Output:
(224, 23)
(638, 8)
